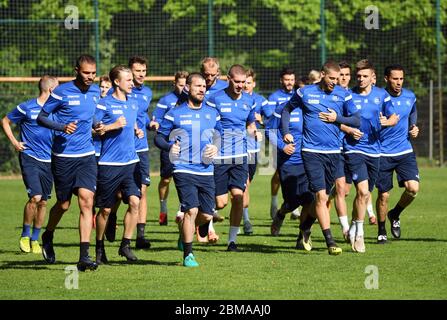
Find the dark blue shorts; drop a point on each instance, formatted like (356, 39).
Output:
(195, 191)
(320, 170)
(112, 179)
(70, 174)
(142, 168)
(166, 167)
(343, 170)
(405, 166)
(294, 186)
(363, 168)
(252, 164)
(230, 176)
(37, 176)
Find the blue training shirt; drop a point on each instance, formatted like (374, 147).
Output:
(68, 104)
(219, 85)
(395, 141)
(143, 95)
(275, 135)
(235, 115)
(165, 104)
(38, 139)
(118, 146)
(279, 98)
(370, 106)
(194, 129)
(320, 136)
(261, 108)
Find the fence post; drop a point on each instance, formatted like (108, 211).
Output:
(98, 64)
(430, 124)
(323, 32)
(438, 59)
(210, 29)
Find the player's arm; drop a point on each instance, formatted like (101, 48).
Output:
(414, 130)
(354, 132)
(52, 104)
(388, 116)
(18, 145)
(294, 102)
(161, 140)
(350, 116)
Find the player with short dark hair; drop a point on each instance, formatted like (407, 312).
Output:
(72, 105)
(397, 153)
(363, 153)
(34, 150)
(325, 105)
(188, 132)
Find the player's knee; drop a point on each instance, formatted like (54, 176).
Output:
(63, 206)
(412, 190)
(134, 203)
(363, 194)
(192, 212)
(383, 196)
(221, 203)
(42, 203)
(35, 199)
(105, 212)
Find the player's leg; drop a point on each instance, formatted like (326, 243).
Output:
(166, 169)
(369, 209)
(384, 185)
(248, 228)
(274, 189)
(142, 168)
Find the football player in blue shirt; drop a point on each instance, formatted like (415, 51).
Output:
(253, 146)
(73, 105)
(397, 153)
(116, 115)
(363, 155)
(325, 105)
(236, 109)
(278, 99)
(188, 132)
(34, 150)
(163, 106)
(210, 69)
(294, 183)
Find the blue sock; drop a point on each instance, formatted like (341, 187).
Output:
(26, 230)
(36, 232)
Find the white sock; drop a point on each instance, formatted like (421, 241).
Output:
(359, 226)
(233, 234)
(369, 209)
(245, 215)
(344, 223)
(353, 229)
(275, 201)
(211, 227)
(163, 206)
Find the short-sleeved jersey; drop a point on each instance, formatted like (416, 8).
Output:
(194, 129)
(320, 136)
(165, 104)
(395, 141)
(68, 104)
(216, 87)
(370, 106)
(38, 139)
(279, 98)
(234, 117)
(261, 108)
(143, 95)
(118, 146)
(276, 136)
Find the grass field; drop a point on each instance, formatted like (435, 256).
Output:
(267, 268)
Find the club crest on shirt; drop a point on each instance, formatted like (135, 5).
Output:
(376, 100)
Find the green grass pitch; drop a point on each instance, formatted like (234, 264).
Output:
(413, 267)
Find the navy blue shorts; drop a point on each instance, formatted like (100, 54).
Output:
(252, 164)
(195, 191)
(405, 166)
(70, 174)
(230, 176)
(320, 169)
(166, 167)
(112, 179)
(142, 168)
(343, 170)
(37, 176)
(294, 186)
(363, 168)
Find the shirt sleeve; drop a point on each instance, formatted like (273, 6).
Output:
(55, 101)
(160, 110)
(167, 124)
(295, 102)
(413, 118)
(17, 115)
(387, 106)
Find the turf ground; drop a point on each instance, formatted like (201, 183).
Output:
(413, 267)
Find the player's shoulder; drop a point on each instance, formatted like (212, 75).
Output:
(407, 93)
(63, 88)
(220, 84)
(29, 104)
(275, 94)
(146, 90)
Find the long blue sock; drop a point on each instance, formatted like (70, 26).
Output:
(36, 233)
(26, 230)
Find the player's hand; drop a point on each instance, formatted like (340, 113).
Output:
(288, 138)
(414, 131)
(356, 133)
(100, 129)
(210, 151)
(330, 116)
(20, 146)
(121, 122)
(175, 149)
(258, 135)
(71, 127)
(154, 125)
(388, 122)
(139, 133)
(258, 118)
(289, 149)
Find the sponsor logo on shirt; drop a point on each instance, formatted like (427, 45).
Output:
(74, 103)
(225, 110)
(313, 101)
(117, 111)
(294, 119)
(314, 95)
(73, 97)
(226, 104)
(186, 116)
(185, 122)
(358, 106)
